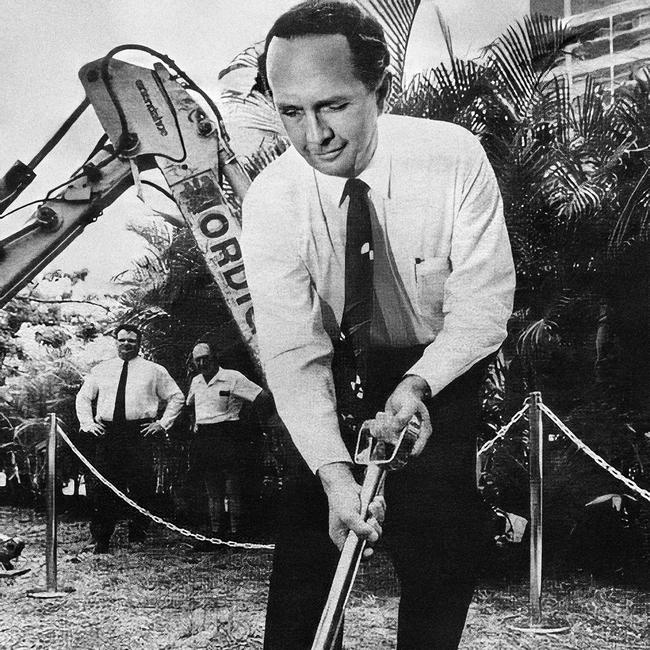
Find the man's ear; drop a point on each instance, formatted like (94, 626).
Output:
(383, 90)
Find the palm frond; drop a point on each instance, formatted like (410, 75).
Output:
(570, 192)
(554, 111)
(245, 107)
(396, 17)
(634, 219)
(457, 93)
(267, 152)
(446, 33)
(525, 54)
(250, 109)
(540, 334)
(245, 60)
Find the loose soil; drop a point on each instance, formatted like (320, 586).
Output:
(163, 595)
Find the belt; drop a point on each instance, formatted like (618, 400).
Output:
(129, 422)
(211, 426)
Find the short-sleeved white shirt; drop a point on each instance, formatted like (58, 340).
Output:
(221, 399)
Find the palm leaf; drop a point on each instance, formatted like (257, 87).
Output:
(446, 33)
(248, 112)
(537, 336)
(457, 93)
(634, 220)
(525, 54)
(245, 108)
(245, 60)
(396, 17)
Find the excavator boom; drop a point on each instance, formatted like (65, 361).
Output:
(152, 121)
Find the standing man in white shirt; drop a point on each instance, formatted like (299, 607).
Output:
(216, 452)
(382, 280)
(128, 392)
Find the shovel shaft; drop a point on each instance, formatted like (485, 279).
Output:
(346, 569)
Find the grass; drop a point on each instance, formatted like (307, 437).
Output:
(160, 595)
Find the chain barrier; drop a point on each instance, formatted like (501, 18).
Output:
(252, 546)
(503, 430)
(592, 454)
(156, 518)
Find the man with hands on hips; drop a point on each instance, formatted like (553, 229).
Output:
(382, 280)
(128, 392)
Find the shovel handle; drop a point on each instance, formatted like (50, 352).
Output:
(346, 569)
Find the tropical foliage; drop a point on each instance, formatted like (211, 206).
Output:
(572, 172)
(51, 335)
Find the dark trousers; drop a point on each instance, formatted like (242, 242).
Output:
(436, 529)
(125, 457)
(217, 464)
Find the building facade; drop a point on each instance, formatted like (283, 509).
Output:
(618, 43)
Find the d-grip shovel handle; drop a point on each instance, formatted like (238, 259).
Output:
(348, 565)
(346, 569)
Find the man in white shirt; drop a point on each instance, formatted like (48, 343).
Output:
(430, 235)
(128, 392)
(216, 454)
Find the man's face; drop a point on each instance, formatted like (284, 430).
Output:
(203, 359)
(329, 114)
(127, 345)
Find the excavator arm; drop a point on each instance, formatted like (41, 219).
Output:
(60, 220)
(152, 121)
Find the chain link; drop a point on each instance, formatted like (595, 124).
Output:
(251, 546)
(156, 518)
(592, 454)
(502, 432)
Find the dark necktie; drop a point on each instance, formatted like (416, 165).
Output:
(350, 364)
(119, 413)
(357, 312)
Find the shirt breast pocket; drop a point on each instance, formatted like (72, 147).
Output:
(430, 278)
(222, 400)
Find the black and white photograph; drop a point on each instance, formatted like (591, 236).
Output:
(325, 324)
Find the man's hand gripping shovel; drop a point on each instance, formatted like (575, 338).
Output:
(381, 449)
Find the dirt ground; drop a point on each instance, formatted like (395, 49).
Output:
(162, 595)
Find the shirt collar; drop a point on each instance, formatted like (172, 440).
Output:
(129, 361)
(376, 175)
(215, 378)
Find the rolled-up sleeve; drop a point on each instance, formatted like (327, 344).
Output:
(294, 347)
(84, 402)
(478, 294)
(168, 391)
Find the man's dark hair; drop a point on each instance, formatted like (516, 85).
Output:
(127, 327)
(363, 32)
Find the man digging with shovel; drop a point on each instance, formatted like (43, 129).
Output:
(382, 280)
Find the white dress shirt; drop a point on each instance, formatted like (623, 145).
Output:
(221, 399)
(147, 384)
(443, 270)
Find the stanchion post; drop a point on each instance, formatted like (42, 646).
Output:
(51, 581)
(536, 484)
(536, 479)
(50, 531)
